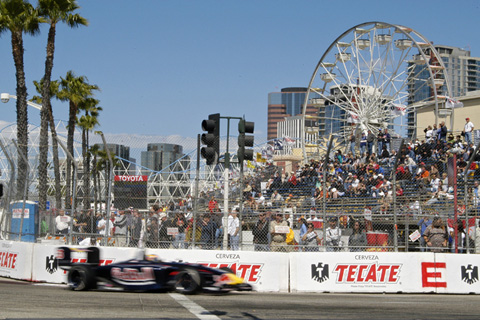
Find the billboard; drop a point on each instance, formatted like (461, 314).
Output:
(130, 191)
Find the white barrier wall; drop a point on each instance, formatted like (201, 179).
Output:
(357, 272)
(455, 273)
(16, 259)
(265, 271)
(279, 272)
(384, 272)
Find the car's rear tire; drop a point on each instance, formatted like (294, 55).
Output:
(188, 281)
(81, 278)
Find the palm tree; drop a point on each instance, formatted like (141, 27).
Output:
(87, 122)
(53, 11)
(101, 163)
(54, 85)
(75, 90)
(20, 17)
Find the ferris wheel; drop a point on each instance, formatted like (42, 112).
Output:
(370, 75)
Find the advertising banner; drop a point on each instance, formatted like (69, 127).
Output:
(16, 259)
(266, 272)
(456, 273)
(358, 272)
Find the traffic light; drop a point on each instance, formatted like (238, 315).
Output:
(211, 139)
(245, 140)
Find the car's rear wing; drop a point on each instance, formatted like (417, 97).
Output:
(64, 255)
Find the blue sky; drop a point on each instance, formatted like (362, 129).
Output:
(163, 66)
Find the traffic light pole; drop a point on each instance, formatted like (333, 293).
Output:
(226, 185)
(211, 153)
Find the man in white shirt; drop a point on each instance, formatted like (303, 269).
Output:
(333, 235)
(468, 129)
(102, 226)
(233, 229)
(62, 222)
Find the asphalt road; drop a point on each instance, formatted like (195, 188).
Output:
(24, 300)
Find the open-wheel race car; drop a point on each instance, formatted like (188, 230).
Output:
(146, 274)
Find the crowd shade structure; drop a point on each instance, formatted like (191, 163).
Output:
(371, 74)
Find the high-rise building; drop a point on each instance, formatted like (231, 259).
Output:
(463, 73)
(287, 103)
(174, 164)
(123, 155)
(160, 155)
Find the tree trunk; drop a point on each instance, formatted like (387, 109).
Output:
(44, 116)
(22, 113)
(70, 137)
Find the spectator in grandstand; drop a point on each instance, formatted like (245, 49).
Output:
(277, 199)
(370, 141)
(450, 139)
(207, 238)
(436, 236)
(261, 233)
(475, 236)
(333, 235)
(102, 226)
(136, 229)
(310, 239)
(352, 143)
(303, 229)
(423, 224)
(152, 234)
(217, 217)
(442, 132)
(384, 156)
(247, 191)
(212, 204)
(164, 238)
(292, 180)
(62, 222)
(120, 224)
(467, 130)
(78, 223)
(233, 230)
(357, 241)
(386, 139)
(278, 232)
(276, 182)
(380, 140)
(88, 222)
(189, 238)
(459, 241)
(458, 145)
(429, 135)
(434, 182)
(260, 202)
(363, 144)
(181, 225)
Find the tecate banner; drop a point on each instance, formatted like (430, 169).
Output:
(359, 272)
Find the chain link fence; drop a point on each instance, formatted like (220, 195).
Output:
(421, 196)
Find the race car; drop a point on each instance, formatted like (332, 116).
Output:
(146, 274)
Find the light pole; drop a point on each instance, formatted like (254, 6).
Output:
(5, 97)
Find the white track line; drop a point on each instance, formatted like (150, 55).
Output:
(194, 308)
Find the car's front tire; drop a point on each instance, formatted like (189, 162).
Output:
(188, 281)
(81, 278)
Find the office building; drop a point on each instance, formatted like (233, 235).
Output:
(287, 103)
(463, 72)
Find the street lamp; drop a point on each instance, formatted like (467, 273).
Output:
(5, 97)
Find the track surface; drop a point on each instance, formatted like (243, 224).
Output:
(24, 300)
